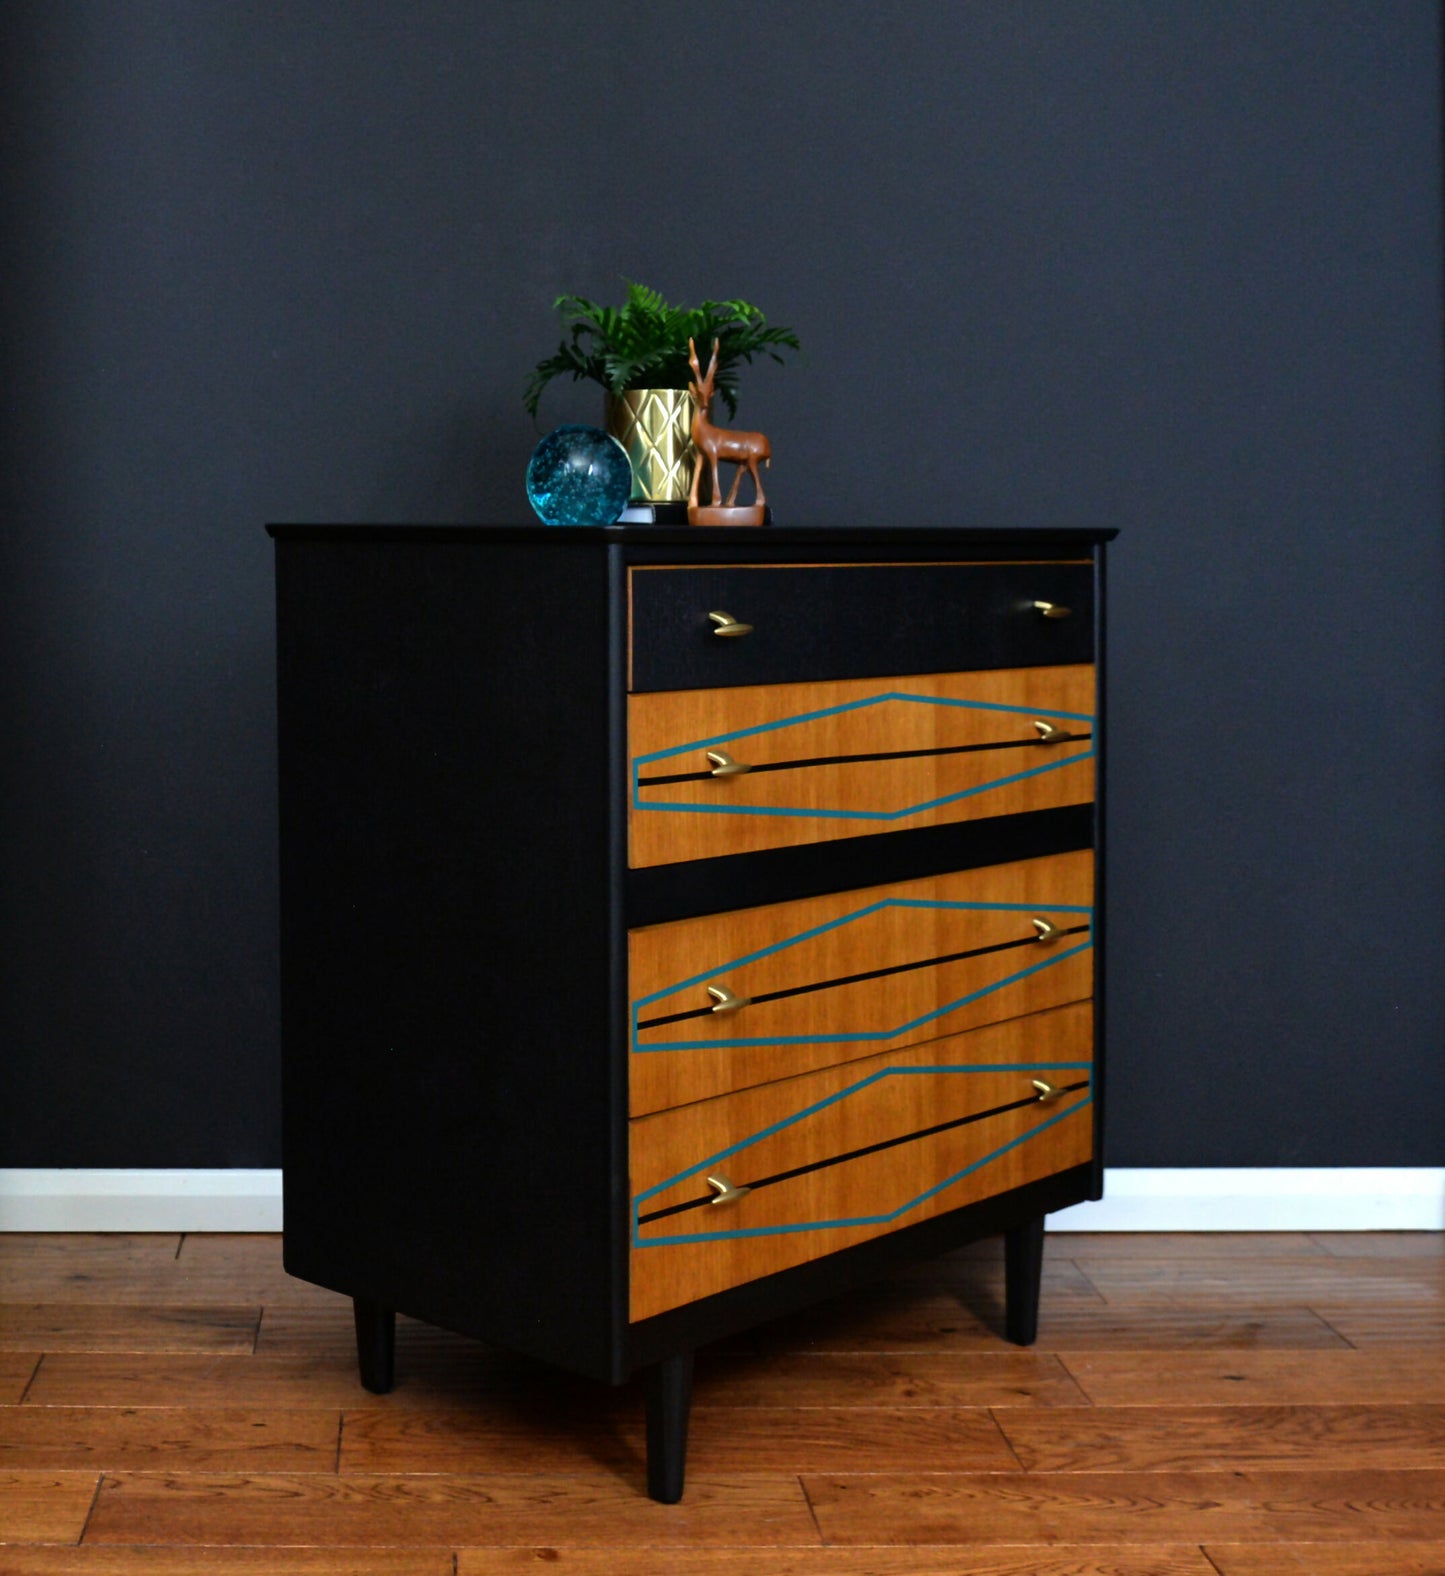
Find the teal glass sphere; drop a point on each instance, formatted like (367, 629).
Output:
(579, 476)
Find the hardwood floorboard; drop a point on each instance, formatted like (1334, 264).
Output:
(1166, 1328)
(1323, 1559)
(1196, 1245)
(445, 1511)
(1131, 1507)
(112, 1327)
(945, 1561)
(16, 1371)
(911, 1320)
(1274, 1402)
(980, 1282)
(1382, 1244)
(183, 1379)
(182, 1560)
(330, 1333)
(844, 1379)
(44, 1507)
(86, 1267)
(1304, 1282)
(214, 1267)
(177, 1439)
(1258, 1378)
(724, 1440)
(1393, 1325)
(1201, 1439)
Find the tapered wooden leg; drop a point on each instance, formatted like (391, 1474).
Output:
(1023, 1272)
(375, 1344)
(668, 1386)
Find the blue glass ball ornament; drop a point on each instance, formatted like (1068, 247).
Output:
(579, 476)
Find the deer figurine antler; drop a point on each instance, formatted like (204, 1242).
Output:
(716, 444)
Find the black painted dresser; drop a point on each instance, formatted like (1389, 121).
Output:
(681, 925)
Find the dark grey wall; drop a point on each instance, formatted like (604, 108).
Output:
(1147, 263)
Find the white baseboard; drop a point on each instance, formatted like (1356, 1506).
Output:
(1342, 1198)
(1325, 1198)
(64, 1200)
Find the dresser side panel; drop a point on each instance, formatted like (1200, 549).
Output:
(448, 1084)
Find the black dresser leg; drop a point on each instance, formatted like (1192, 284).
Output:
(375, 1344)
(668, 1387)
(1023, 1248)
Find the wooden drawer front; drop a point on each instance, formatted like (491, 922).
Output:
(838, 978)
(824, 621)
(841, 760)
(836, 1157)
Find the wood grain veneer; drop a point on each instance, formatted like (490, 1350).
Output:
(778, 1127)
(670, 732)
(822, 945)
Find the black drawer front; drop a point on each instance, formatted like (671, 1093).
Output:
(845, 622)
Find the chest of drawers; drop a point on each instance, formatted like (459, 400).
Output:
(681, 925)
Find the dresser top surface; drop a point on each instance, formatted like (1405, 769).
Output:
(1027, 539)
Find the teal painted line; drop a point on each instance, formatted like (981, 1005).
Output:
(639, 1241)
(800, 1116)
(856, 1036)
(994, 908)
(852, 705)
(992, 705)
(848, 919)
(640, 803)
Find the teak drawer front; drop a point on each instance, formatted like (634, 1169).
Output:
(846, 976)
(836, 1157)
(839, 760)
(826, 621)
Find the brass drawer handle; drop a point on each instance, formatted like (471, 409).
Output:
(1047, 1094)
(1047, 929)
(723, 765)
(1052, 609)
(1051, 733)
(727, 1192)
(728, 625)
(726, 1001)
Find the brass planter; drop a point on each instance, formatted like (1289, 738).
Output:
(655, 427)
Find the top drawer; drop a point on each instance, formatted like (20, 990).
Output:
(826, 621)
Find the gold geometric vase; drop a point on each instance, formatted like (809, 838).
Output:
(655, 427)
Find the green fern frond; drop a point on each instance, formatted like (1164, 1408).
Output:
(643, 344)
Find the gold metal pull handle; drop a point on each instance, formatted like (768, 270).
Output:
(726, 1001)
(1052, 609)
(723, 765)
(1050, 732)
(727, 1192)
(1047, 929)
(729, 626)
(1047, 1094)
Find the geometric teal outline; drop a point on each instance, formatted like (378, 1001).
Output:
(888, 1216)
(639, 761)
(858, 1036)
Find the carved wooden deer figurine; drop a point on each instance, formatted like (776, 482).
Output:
(715, 444)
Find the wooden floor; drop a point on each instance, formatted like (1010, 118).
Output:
(1195, 1406)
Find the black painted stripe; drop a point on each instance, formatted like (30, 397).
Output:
(868, 974)
(879, 755)
(687, 888)
(857, 1154)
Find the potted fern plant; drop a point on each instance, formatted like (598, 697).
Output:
(638, 353)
